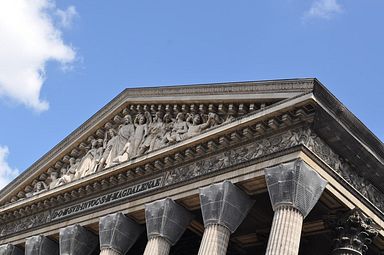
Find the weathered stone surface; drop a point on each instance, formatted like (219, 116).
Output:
(215, 240)
(157, 246)
(354, 232)
(285, 234)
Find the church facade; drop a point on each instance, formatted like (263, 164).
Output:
(271, 167)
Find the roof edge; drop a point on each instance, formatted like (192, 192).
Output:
(354, 124)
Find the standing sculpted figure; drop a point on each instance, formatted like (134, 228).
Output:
(155, 134)
(110, 150)
(141, 131)
(125, 134)
(124, 142)
(168, 127)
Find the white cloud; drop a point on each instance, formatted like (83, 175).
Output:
(28, 40)
(7, 173)
(67, 16)
(325, 9)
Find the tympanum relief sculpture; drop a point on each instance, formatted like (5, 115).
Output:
(132, 136)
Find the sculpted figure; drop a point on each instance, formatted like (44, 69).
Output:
(141, 131)
(67, 174)
(215, 119)
(168, 127)
(196, 127)
(179, 130)
(125, 134)
(125, 154)
(155, 135)
(229, 118)
(110, 150)
(99, 153)
(54, 179)
(88, 162)
(40, 186)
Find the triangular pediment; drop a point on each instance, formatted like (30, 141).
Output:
(144, 131)
(151, 141)
(144, 120)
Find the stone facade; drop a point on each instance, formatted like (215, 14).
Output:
(198, 173)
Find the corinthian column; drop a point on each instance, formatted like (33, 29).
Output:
(166, 222)
(354, 231)
(41, 245)
(224, 207)
(117, 234)
(76, 240)
(10, 249)
(294, 189)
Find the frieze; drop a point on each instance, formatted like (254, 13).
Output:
(25, 223)
(262, 147)
(225, 159)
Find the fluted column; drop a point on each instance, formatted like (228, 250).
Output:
(157, 245)
(10, 249)
(284, 237)
(353, 232)
(117, 234)
(294, 189)
(76, 240)
(166, 222)
(41, 245)
(224, 207)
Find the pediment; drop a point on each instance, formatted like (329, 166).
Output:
(144, 131)
(154, 139)
(139, 122)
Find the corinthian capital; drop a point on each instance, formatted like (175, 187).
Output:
(354, 232)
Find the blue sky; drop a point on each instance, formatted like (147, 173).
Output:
(62, 61)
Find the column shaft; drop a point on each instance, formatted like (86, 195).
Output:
(157, 246)
(108, 251)
(284, 238)
(215, 240)
(347, 252)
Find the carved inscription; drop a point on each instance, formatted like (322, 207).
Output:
(106, 199)
(56, 214)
